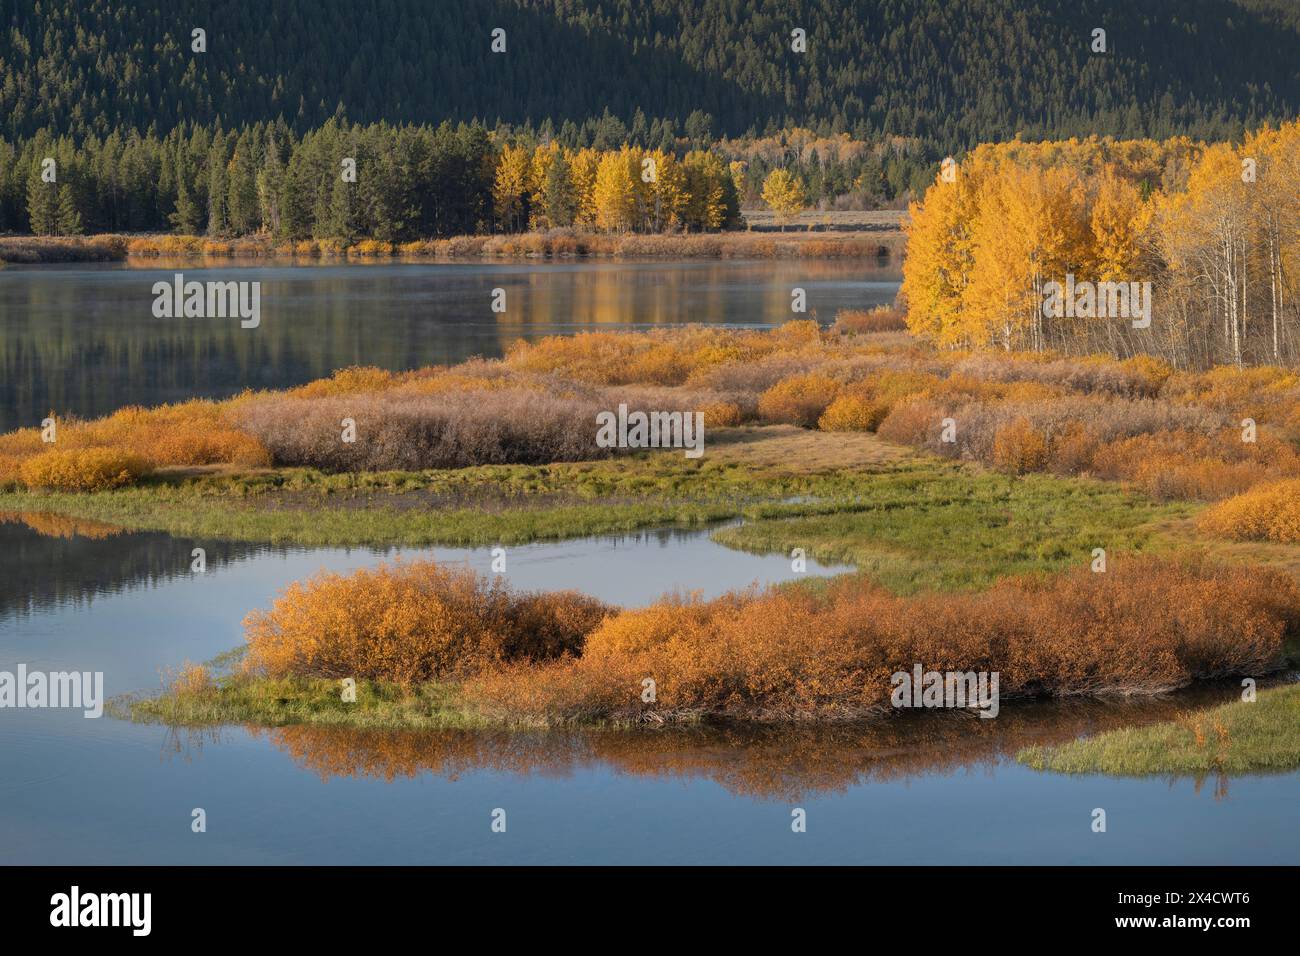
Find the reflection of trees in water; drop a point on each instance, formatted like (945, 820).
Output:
(47, 561)
(778, 763)
(81, 347)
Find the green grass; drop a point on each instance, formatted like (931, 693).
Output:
(266, 702)
(1235, 738)
(912, 524)
(948, 528)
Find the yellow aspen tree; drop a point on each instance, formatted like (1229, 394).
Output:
(614, 194)
(539, 164)
(936, 271)
(583, 166)
(1119, 222)
(783, 192)
(511, 189)
(705, 207)
(670, 196)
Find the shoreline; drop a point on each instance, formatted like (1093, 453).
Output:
(866, 244)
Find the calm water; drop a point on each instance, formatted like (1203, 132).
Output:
(83, 340)
(928, 790)
(937, 789)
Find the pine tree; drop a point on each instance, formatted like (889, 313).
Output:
(558, 192)
(67, 218)
(42, 204)
(218, 193)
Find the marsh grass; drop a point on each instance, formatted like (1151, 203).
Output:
(275, 702)
(911, 524)
(1240, 737)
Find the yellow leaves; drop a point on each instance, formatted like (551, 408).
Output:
(614, 197)
(82, 469)
(783, 192)
(1118, 222)
(1267, 512)
(513, 188)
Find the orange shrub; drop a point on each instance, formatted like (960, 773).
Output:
(798, 400)
(1147, 626)
(348, 381)
(1268, 512)
(82, 469)
(1018, 448)
(412, 622)
(721, 414)
(850, 413)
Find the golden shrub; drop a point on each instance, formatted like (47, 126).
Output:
(791, 654)
(798, 400)
(851, 413)
(883, 318)
(412, 622)
(721, 414)
(348, 381)
(190, 680)
(1267, 512)
(82, 469)
(1019, 448)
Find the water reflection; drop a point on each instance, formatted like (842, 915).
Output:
(48, 561)
(82, 340)
(782, 763)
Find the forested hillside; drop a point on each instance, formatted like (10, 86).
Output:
(953, 74)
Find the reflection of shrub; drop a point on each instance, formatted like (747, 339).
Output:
(410, 623)
(799, 400)
(51, 525)
(1268, 512)
(82, 469)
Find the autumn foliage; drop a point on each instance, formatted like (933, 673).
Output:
(412, 622)
(1198, 435)
(1212, 227)
(1268, 512)
(788, 654)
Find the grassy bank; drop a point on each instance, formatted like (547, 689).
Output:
(265, 702)
(1236, 738)
(913, 523)
(41, 249)
(557, 244)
